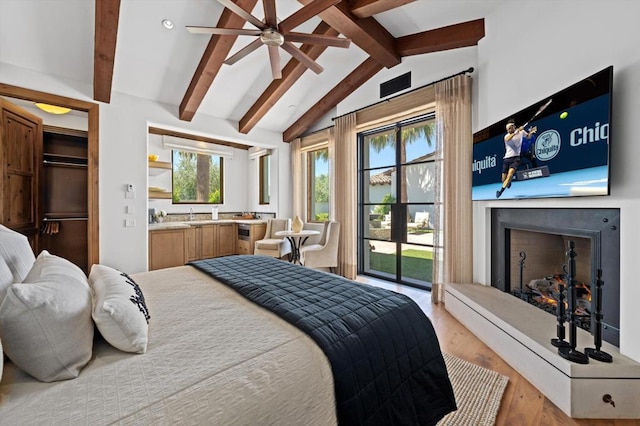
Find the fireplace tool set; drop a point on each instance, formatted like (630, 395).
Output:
(566, 349)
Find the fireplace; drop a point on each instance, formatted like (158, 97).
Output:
(528, 251)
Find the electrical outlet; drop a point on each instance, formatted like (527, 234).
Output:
(130, 195)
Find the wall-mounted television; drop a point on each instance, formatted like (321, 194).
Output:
(568, 155)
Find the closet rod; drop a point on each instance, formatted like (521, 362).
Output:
(62, 163)
(64, 218)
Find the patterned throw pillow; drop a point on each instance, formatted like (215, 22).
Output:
(45, 321)
(119, 309)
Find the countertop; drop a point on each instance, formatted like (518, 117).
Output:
(188, 224)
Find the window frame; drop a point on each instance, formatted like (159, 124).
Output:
(264, 199)
(221, 178)
(311, 181)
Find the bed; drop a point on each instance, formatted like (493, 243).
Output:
(216, 357)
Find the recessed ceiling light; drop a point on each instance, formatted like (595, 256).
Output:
(167, 23)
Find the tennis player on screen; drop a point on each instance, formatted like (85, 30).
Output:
(513, 151)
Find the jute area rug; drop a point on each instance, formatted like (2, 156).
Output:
(478, 393)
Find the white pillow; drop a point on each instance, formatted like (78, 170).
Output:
(119, 309)
(6, 278)
(45, 322)
(16, 252)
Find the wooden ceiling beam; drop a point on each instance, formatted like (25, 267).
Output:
(347, 86)
(451, 37)
(107, 14)
(212, 59)
(290, 74)
(367, 33)
(367, 8)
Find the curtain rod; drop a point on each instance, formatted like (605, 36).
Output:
(469, 70)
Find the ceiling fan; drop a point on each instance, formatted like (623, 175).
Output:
(275, 35)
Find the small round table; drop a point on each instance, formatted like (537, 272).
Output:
(296, 239)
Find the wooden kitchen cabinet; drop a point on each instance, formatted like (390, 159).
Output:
(200, 242)
(226, 239)
(166, 248)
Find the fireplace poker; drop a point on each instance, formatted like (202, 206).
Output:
(596, 353)
(571, 353)
(523, 256)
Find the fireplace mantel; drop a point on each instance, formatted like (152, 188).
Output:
(520, 333)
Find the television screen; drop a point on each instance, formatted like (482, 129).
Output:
(562, 151)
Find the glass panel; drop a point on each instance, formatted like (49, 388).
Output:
(318, 188)
(380, 258)
(380, 149)
(197, 178)
(381, 186)
(418, 141)
(417, 264)
(420, 225)
(379, 224)
(419, 183)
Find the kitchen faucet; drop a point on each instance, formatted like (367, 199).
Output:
(191, 216)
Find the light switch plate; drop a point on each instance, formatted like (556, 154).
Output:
(129, 223)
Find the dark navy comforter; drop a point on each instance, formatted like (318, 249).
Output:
(386, 360)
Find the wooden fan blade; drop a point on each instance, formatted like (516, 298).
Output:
(270, 16)
(242, 13)
(324, 40)
(243, 52)
(302, 57)
(222, 31)
(274, 58)
(304, 14)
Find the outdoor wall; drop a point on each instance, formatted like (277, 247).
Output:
(533, 49)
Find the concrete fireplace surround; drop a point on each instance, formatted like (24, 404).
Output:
(520, 333)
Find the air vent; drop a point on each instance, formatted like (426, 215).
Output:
(395, 85)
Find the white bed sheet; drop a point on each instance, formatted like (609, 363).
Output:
(213, 358)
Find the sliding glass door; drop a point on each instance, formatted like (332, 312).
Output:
(396, 195)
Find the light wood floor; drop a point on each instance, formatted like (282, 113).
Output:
(522, 404)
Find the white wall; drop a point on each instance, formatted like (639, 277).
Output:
(533, 49)
(123, 159)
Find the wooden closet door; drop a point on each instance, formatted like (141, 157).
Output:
(20, 161)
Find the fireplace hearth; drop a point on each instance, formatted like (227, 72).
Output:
(528, 258)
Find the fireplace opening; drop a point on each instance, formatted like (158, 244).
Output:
(529, 250)
(538, 268)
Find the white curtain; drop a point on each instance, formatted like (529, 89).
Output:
(332, 174)
(346, 189)
(297, 179)
(453, 239)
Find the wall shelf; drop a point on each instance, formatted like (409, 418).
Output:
(165, 195)
(158, 167)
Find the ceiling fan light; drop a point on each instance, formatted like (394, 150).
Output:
(271, 37)
(52, 109)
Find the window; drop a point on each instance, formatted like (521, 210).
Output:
(197, 178)
(396, 200)
(264, 172)
(318, 185)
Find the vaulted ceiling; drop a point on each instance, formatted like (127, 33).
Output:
(134, 54)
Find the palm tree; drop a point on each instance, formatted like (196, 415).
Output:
(408, 135)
